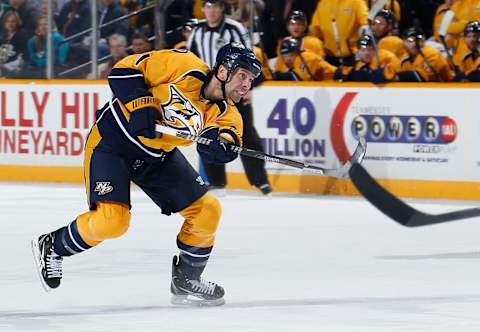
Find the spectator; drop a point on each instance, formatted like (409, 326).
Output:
(4, 7)
(470, 65)
(118, 50)
(13, 45)
(110, 10)
(297, 27)
(140, 44)
(75, 17)
(43, 8)
(368, 68)
(302, 65)
(423, 63)
(37, 48)
(339, 24)
(27, 14)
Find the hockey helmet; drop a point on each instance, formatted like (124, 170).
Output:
(364, 41)
(289, 45)
(234, 55)
(415, 33)
(297, 16)
(473, 26)
(387, 15)
(213, 2)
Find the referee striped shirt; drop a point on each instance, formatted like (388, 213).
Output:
(205, 41)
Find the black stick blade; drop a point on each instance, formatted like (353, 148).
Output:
(395, 208)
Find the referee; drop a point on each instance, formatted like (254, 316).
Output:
(205, 40)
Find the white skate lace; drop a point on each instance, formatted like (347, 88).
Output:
(202, 286)
(54, 265)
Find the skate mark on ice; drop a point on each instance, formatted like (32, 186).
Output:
(452, 255)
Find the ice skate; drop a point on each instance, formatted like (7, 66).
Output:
(265, 188)
(193, 292)
(49, 264)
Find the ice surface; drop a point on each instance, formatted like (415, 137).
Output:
(288, 263)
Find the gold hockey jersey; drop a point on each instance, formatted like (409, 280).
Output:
(175, 79)
(432, 66)
(349, 16)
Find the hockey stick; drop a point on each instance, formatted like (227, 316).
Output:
(395, 208)
(378, 6)
(340, 172)
(442, 32)
(337, 42)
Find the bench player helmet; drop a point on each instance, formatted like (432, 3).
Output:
(297, 16)
(364, 41)
(289, 45)
(387, 15)
(236, 55)
(415, 33)
(473, 26)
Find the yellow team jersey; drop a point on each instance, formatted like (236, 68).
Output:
(310, 67)
(197, 9)
(391, 5)
(349, 16)
(308, 43)
(266, 71)
(437, 20)
(392, 44)
(175, 79)
(465, 11)
(434, 68)
(388, 61)
(470, 63)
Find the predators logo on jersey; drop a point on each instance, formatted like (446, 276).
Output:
(181, 114)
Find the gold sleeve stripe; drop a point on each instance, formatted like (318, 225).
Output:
(142, 102)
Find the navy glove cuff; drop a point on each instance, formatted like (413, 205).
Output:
(218, 151)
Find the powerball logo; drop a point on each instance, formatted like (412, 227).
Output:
(405, 129)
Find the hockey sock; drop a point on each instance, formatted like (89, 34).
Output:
(68, 241)
(193, 260)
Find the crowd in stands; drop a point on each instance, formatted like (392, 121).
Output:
(408, 40)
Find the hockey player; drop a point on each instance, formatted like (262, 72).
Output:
(301, 65)
(297, 26)
(423, 63)
(339, 25)
(366, 68)
(382, 28)
(176, 89)
(470, 65)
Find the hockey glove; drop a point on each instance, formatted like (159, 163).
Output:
(409, 76)
(144, 113)
(218, 151)
(378, 76)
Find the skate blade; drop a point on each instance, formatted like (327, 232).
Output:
(37, 258)
(192, 301)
